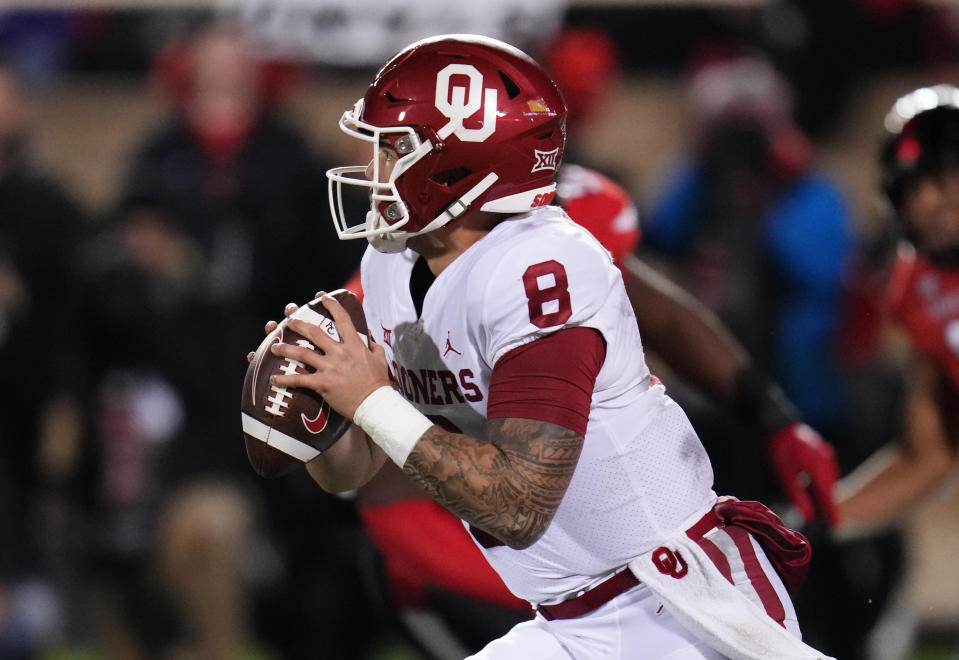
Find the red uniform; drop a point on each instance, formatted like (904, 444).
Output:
(411, 560)
(925, 299)
(601, 206)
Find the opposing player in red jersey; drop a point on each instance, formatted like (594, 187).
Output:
(583, 484)
(920, 170)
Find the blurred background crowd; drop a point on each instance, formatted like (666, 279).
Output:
(162, 194)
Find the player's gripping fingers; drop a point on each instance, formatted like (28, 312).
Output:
(271, 325)
(344, 376)
(302, 354)
(317, 335)
(342, 320)
(309, 381)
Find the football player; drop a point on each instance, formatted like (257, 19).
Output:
(920, 179)
(456, 590)
(506, 378)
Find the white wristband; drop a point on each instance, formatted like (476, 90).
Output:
(391, 422)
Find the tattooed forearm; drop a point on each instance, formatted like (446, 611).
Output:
(509, 485)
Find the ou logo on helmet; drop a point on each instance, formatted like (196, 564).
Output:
(464, 102)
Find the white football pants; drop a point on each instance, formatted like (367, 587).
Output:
(632, 626)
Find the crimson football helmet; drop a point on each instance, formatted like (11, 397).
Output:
(475, 124)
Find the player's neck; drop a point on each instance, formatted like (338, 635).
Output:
(440, 248)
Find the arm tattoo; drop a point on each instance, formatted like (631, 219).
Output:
(509, 485)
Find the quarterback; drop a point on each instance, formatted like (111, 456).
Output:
(505, 376)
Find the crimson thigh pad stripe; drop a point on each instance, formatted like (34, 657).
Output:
(716, 556)
(757, 576)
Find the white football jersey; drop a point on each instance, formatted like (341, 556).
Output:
(643, 473)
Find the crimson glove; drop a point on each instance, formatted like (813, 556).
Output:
(806, 466)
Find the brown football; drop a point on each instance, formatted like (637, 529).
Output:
(284, 428)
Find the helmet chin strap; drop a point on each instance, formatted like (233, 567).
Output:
(459, 206)
(391, 242)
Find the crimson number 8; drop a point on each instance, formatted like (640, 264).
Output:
(547, 294)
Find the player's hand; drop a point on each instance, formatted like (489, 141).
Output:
(806, 466)
(271, 325)
(344, 372)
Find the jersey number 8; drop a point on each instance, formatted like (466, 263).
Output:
(547, 294)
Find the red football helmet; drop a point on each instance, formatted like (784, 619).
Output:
(475, 123)
(922, 142)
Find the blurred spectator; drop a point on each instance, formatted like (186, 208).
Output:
(219, 223)
(759, 237)
(40, 227)
(38, 43)
(585, 64)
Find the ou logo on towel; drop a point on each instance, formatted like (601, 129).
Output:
(464, 102)
(669, 562)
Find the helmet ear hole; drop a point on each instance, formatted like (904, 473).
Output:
(512, 89)
(449, 177)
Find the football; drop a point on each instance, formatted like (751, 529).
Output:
(286, 427)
